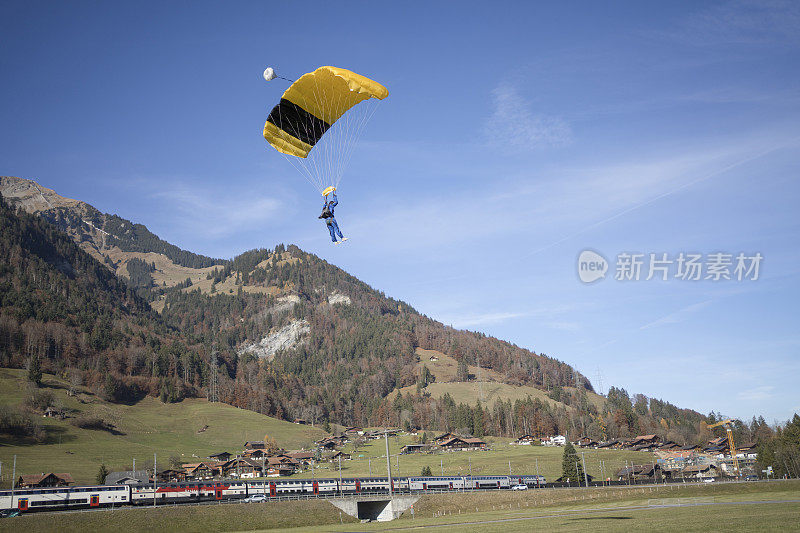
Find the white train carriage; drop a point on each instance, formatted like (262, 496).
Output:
(530, 481)
(188, 491)
(375, 484)
(64, 498)
(437, 483)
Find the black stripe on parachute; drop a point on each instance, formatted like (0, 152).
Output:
(297, 122)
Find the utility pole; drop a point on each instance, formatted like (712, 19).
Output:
(13, 480)
(369, 461)
(155, 479)
(134, 467)
(509, 468)
(585, 475)
(480, 373)
(340, 472)
(576, 473)
(441, 464)
(537, 471)
(388, 461)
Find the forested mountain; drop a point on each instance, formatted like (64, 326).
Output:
(63, 311)
(279, 331)
(102, 235)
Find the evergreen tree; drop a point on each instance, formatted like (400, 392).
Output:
(461, 373)
(35, 371)
(571, 464)
(101, 474)
(426, 471)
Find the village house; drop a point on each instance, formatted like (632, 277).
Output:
(278, 470)
(466, 443)
(526, 440)
(415, 448)
(171, 475)
(254, 445)
(700, 471)
(254, 454)
(585, 442)
(444, 437)
(644, 442)
(339, 455)
(45, 480)
(129, 477)
(242, 468)
(304, 459)
(52, 412)
(747, 451)
(557, 440)
(204, 470)
(301, 421)
(221, 456)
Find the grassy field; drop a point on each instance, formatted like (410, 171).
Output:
(144, 428)
(523, 459)
(769, 506)
(486, 383)
(229, 517)
(773, 506)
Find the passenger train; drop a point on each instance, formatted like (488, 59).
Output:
(58, 498)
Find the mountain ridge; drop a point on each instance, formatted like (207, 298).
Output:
(357, 348)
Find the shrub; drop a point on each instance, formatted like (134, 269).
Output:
(16, 423)
(91, 422)
(38, 399)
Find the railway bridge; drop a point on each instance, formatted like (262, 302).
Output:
(380, 507)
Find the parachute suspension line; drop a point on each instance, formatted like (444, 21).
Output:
(369, 109)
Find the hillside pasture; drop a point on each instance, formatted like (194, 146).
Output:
(189, 430)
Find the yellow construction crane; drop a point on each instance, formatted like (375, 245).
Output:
(728, 425)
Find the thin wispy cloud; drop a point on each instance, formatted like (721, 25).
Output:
(678, 316)
(744, 22)
(217, 213)
(515, 127)
(756, 394)
(497, 317)
(482, 319)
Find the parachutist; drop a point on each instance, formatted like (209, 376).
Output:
(327, 215)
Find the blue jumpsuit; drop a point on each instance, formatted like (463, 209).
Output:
(333, 227)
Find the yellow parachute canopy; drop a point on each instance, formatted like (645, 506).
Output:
(312, 104)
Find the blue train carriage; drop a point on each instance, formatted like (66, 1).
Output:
(27, 500)
(437, 483)
(488, 482)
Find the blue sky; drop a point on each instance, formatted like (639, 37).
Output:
(515, 136)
